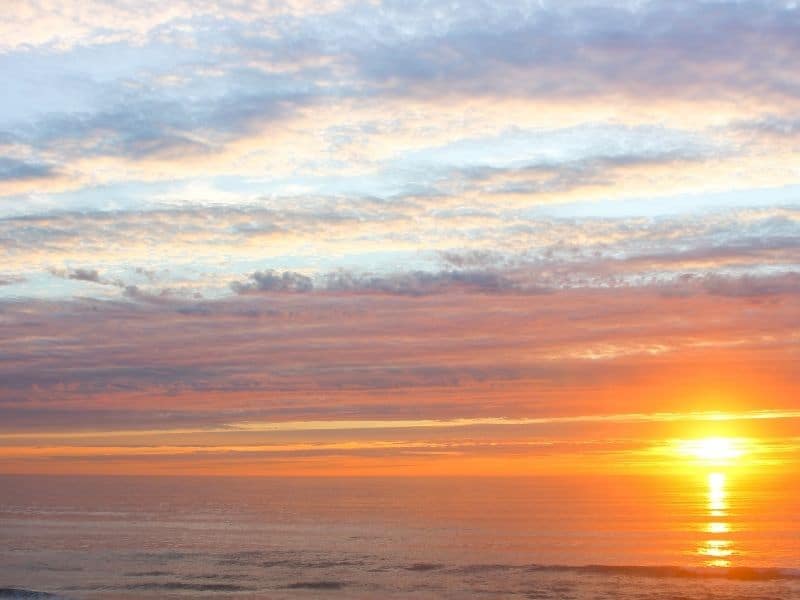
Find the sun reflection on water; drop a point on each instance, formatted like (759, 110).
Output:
(716, 495)
(716, 458)
(717, 551)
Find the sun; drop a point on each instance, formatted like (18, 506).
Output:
(717, 449)
(713, 450)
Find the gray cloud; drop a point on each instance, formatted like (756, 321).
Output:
(637, 251)
(748, 286)
(403, 283)
(541, 277)
(773, 125)
(422, 283)
(19, 170)
(146, 126)
(10, 280)
(472, 258)
(97, 229)
(129, 291)
(161, 296)
(272, 281)
(549, 176)
(85, 275)
(578, 50)
(744, 250)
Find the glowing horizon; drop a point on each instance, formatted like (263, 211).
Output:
(488, 446)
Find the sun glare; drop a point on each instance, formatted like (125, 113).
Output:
(713, 450)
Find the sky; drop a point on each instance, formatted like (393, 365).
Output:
(382, 237)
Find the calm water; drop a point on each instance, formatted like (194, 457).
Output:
(125, 537)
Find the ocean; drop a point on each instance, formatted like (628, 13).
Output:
(707, 535)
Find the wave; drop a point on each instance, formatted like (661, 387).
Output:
(290, 560)
(316, 576)
(316, 585)
(192, 587)
(22, 594)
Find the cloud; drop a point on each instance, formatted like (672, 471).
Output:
(271, 281)
(412, 283)
(588, 49)
(146, 126)
(59, 26)
(392, 368)
(421, 283)
(162, 296)
(409, 247)
(781, 126)
(18, 170)
(472, 258)
(10, 280)
(553, 177)
(334, 58)
(130, 291)
(85, 275)
(286, 347)
(752, 286)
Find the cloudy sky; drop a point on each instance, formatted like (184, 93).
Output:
(384, 236)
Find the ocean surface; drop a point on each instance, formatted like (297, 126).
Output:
(709, 535)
